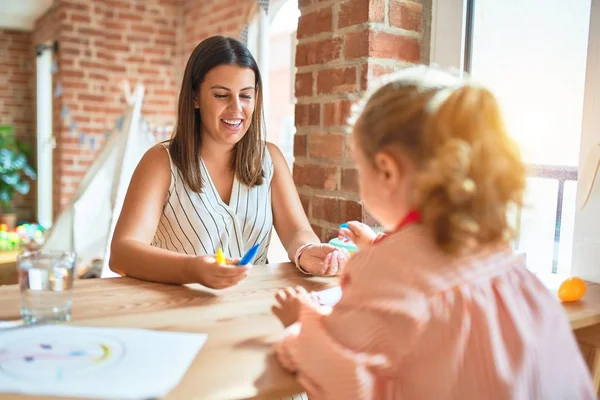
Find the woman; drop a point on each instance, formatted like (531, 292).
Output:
(215, 184)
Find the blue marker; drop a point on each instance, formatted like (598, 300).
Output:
(249, 256)
(345, 226)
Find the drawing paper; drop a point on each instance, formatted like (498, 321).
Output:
(107, 363)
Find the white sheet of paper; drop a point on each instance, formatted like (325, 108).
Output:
(103, 363)
(329, 297)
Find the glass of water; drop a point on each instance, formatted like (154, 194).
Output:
(46, 281)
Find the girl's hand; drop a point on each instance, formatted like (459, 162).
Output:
(289, 302)
(358, 233)
(205, 270)
(323, 259)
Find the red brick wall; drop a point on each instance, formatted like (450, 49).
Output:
(201, 19)
(102, 43)
(15, 93)
(16, 108)
(342, 45)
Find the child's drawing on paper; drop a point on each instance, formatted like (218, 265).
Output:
(58, 357)
(73, 361)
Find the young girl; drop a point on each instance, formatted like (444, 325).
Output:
(440, 307)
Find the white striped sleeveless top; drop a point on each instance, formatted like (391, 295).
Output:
(200, 223)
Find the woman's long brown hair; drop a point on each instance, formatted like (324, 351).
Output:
(186, 141)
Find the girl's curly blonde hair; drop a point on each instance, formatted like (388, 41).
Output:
(469, 171)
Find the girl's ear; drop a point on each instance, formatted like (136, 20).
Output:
(196, 104)
(388, 167)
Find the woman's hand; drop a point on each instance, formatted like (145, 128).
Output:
(323, 259)
(290, 301)
(358, 233)
(205, 270)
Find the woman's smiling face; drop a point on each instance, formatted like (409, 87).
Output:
(226, 101)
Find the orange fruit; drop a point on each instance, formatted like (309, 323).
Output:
(572, 289)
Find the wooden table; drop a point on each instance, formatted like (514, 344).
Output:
(8, 267)
(235, 363)
(582, 313)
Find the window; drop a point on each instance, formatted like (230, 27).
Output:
(282, 72)
(534, 55)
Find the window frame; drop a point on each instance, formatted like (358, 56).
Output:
(448, 33)
(586, 236)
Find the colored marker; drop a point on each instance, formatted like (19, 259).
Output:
(249, 256)
(220, 257)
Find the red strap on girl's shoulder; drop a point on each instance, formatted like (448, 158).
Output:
(413, 217)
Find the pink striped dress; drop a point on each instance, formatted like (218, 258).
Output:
(414, 323)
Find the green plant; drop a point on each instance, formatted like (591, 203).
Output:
(15, 171)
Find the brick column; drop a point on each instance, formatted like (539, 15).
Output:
(342, 46)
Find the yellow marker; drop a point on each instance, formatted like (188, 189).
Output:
(220, 257)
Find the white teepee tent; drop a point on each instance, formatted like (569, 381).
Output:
(86, 225)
